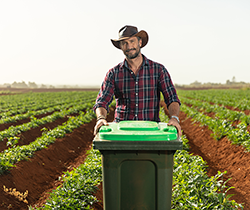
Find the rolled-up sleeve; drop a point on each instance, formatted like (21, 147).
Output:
(106, 93)
(167, 88)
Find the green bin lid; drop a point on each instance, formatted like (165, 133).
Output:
(138, 131)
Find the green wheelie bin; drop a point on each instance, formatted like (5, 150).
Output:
(137, 164)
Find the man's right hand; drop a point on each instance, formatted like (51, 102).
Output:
(99, 124)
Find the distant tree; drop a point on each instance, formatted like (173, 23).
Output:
(228, 82)
(19, 85)
(196, 83)
(233, 79)
(43, 86)
(14, 84)
(32, 85)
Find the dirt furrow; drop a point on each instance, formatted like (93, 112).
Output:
(28, 136)
(41, 172)
(39, 175)
(221, 156)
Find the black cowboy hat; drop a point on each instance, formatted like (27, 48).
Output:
(127, 32)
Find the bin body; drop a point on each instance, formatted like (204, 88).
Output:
(138, 166)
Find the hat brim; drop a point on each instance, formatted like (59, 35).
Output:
(142, 34)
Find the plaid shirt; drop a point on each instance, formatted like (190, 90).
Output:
(137, 96)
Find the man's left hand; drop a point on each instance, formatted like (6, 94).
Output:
(175, 123)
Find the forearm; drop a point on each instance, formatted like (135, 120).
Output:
(174, 109)
(101, 114)
(100, 111)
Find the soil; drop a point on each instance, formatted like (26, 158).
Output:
(29, 136)
(39, 175)
(220, 156)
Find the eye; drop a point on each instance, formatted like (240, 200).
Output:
(123, 43)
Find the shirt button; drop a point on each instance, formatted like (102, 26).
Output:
(136, 82)
(136, 94)
(136, 115)
(132, 72)
(136, 104)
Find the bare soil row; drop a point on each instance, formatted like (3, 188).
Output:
(40, 174)
(221, 156)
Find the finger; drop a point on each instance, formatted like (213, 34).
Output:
(105, 123)
(95, 130)
(97, 127)
(179, 132)
(99, 124)
(177, 125)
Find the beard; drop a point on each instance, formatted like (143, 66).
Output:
(134, 55)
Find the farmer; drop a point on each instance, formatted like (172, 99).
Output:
(136, 84)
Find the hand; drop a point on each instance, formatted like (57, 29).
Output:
(175, 123)
(99, 124)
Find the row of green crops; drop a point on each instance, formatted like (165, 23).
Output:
(192, 188)
(15, 154)
(26, 102)
(8, 118)
(77, 103)
(12, 131)
(230, 97)
(220, 111)
(55, 105)
(221, 125)
(78, 186)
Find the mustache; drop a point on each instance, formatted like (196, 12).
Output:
(130, 49)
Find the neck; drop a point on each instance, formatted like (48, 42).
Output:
(135, 63)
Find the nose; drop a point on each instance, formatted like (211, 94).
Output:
(129, 46)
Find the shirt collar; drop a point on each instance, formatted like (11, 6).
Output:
(145, 62)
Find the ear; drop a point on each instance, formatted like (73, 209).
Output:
(140, 42)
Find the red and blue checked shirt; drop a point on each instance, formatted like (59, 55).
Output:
(137, 96)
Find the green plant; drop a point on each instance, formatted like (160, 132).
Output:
(15, 154)
(78, 186)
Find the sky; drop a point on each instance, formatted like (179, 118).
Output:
(67, 42)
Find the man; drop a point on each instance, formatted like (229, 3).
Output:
(136, 84)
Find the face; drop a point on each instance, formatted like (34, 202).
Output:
(131, 47)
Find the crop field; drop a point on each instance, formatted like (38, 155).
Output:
(47, 160)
